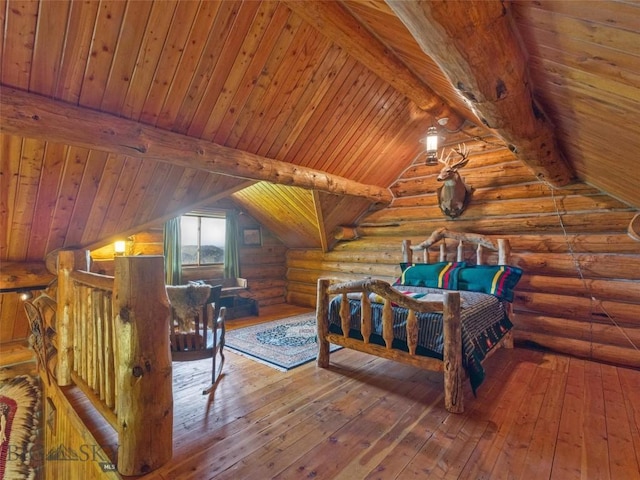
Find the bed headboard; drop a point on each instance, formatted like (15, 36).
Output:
(480, 241)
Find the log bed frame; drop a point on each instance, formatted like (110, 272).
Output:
(451, 365)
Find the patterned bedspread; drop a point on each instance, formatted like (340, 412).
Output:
(484, 323)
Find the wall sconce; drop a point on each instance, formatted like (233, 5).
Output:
(119, 247)
(26, 295)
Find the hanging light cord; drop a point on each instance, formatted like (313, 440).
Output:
(594, 300)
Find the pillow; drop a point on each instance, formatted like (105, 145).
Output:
(498, 280)
(434, 275)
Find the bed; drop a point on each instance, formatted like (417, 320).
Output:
(446, 316)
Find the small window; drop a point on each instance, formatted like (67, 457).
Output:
(202, 240)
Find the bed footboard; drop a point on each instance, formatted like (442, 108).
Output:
(451, 365)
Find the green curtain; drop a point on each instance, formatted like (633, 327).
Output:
(231, 257)
(172, 253)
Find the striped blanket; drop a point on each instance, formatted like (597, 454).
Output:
(484, 323)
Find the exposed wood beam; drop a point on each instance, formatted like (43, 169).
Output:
(29, 115)
(317, 205)
(477, 47)
(14, 275)
(334, 22)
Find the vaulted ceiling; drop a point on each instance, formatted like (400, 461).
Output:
(117, 115)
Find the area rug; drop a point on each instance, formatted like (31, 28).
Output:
(19, 416)
(281, 344)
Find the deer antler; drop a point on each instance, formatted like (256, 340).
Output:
(464, 153)
(445, 161)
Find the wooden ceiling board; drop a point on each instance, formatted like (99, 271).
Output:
(215, 120)
(301, 112)
(19, 38)
(75, 51)
(167, 61)
(260, 95)
(288, 212)
(103, 49)
(10, 151)
(303, 55)
(584, 67)
(379, 18)
(126, 55)
(47, 51)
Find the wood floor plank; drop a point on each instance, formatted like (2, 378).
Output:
(475, 424)
(630, 383)
(355, 437)
(623, 462)
(512, 456)
(539, 459)
(501, 418)
(596, 455)
(569, 447)
(246, 427)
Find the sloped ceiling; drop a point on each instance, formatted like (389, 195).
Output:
(273, 88)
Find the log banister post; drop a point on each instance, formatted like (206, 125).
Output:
(144, 402)
(68, 261)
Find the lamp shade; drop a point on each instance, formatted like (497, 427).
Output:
(432, 145)
(119, 247)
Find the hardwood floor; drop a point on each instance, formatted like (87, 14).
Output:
(538, 415)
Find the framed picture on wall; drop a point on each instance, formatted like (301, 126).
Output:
(252, 237)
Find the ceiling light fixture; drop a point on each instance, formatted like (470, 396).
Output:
(430, 142)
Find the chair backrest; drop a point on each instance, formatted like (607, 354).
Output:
(214, 297)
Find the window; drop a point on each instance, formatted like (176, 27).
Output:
(202, 240)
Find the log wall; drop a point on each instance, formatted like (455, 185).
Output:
(580, 293)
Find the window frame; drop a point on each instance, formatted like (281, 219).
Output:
(220, 216)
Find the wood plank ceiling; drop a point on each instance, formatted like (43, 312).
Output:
(258, 78)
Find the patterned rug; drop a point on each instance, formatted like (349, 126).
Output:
(19, 416)
(281, 344)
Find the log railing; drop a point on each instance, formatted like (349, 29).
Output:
(113, 337)
(448, 303)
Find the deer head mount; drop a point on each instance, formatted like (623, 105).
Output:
(454, 195)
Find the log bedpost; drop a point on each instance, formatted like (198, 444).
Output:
(144, 375)
(387, 323)
(407, 253)
(452, 354)
(322, 323)
(504, 258)
(365, 317)
(504, 251)
(345, 315)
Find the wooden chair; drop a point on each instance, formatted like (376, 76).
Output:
(206, 334)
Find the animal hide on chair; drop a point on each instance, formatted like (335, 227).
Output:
(186, 303)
